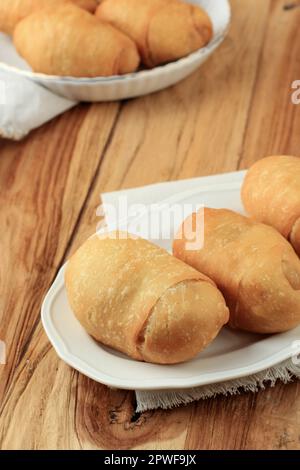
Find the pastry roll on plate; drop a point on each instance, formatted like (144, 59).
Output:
(164, 30)
(69, 41)
(12, 11)
(255, 268)
(135, 297)
(271, 194)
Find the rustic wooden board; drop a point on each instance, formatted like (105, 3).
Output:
(234, 110)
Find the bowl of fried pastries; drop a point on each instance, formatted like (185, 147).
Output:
(105, 50)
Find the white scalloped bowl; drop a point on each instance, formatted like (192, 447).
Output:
(123, 86)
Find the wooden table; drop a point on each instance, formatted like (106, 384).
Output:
(236, 109)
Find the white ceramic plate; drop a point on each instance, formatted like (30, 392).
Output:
(123, 86)
(232, 355)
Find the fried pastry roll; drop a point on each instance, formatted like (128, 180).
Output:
(255, 268)
(136, 298)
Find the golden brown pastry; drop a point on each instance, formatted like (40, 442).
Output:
(134, 297)
(164, 30)
(255, 268)
(271, 194)
(12, 11)
(70, 41)
(89, 5)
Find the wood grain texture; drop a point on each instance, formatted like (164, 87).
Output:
(234, 110)
(274, 121)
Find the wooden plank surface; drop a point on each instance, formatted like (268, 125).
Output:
(234, 110)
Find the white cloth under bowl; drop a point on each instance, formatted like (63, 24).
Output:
(25, 105)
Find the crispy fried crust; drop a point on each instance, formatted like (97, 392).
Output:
(68, 41)
(12, 11)
(271, 194)
(255, 268)
(89, 5)
(164, 30)
(135, 297)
